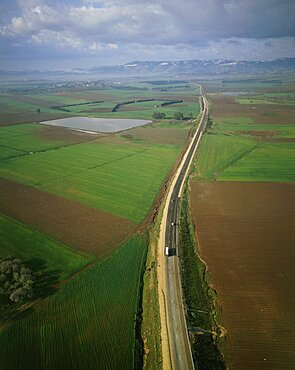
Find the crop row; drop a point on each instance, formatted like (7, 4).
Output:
(87, 324)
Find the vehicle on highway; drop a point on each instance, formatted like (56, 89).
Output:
(166, 251)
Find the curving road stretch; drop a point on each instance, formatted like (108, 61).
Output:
(178, 341)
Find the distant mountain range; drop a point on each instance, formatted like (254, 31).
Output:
(169, 68)
(200, 67)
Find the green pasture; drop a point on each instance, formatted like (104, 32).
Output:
(265, 163)
(21, 241)
(87, 324)
(236, 158)
(217, 151)
(21, 139)
(9, 152)
(122, 177)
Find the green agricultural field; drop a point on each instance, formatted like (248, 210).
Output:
(87, 324)
(236, 149)
(9, 152)
(21, 139)
(121, 177)
(267, 163)
(21, 241)
(238, 158)
(217, 151)
(89, 321)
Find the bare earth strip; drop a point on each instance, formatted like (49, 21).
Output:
(246, 237)
(72, 223)
(7, 119)
(48, 132)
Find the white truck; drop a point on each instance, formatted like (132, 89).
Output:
(166, 251)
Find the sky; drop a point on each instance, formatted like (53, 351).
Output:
(70, 34)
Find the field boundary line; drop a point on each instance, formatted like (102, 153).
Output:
(28, 153)
(90, 168)
(239, 156)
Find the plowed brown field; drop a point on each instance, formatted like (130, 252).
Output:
(7, 119)
(48, 132)
(246, 237)
(79, 226)
(226, 106)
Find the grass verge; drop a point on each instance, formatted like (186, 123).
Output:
(151, 322)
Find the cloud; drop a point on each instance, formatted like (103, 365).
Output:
(164, 21)
(105, 26)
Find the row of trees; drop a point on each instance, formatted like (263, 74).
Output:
(177, 116)
(16, 280)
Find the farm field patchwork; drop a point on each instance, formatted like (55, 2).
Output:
(244, 232)
(227, 107)
(66, 329)
(239, 147)
(38, 107)
(81, 227)
(21, 139)
(21, 241)
(260, 131)
(268, 98)
(244, 229)
(100, 175)
(274, 85)
(217, 151)
(89, 193)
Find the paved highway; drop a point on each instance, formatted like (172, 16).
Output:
(178, 341)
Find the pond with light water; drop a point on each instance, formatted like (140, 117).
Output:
(97, 124)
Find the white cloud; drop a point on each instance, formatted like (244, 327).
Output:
(163, 21)
(57, 39)
(156, 28)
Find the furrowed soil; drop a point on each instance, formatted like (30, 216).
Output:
(72, 223)
(48, 132)
(245, 233)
